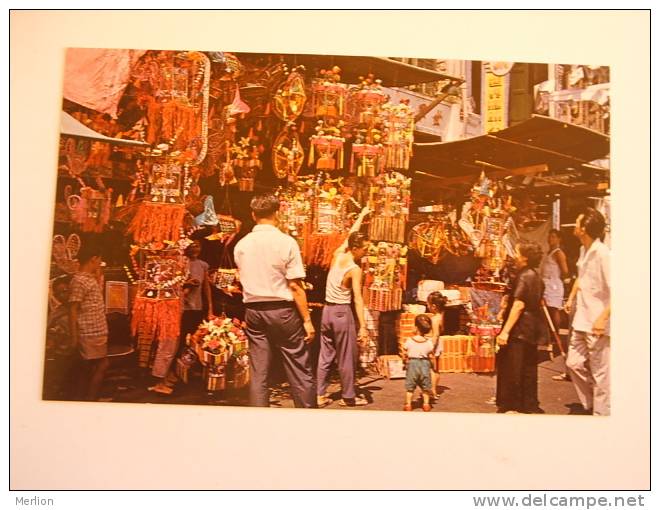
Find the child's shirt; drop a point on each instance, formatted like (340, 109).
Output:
(418, 347)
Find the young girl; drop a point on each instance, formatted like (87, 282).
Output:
(418, 356)
(436, 303)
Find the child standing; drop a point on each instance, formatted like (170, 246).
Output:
(418, 356)
(436, 303)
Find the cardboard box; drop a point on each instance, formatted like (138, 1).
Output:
(391, 366)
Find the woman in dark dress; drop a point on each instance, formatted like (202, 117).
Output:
(518, 340)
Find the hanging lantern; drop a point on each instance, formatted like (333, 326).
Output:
(287, 154)
(365, 101)
(389, 199)
(367, 160)
(91, 209)
(160, 215)
(157, 307)
(289, 100)
(399, 124)
(327, 228)
(246, 163)
(385, 268)
(328, 95)
(295, 213)
(327, 147)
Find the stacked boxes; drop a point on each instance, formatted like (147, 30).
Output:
(465, 353)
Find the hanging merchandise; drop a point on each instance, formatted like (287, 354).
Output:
(389, 199)
(246, 162)
(65, 251)
(385, 268)
(157, 307)
(488, 223)
(327, 146)
(226, 275)
(438, 237)
(367, 160)
(289, 100)
(329, 95)
(208, 217)
(160, 216)
(75, 154)
(327, 229)
(91, 209)
(399, 124)
(365, 101)
(295, 213)
(368, 153)
(173, 87)
(287, 154)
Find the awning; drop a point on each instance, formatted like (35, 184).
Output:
(537, 141)
(392, 72)
(69, 126)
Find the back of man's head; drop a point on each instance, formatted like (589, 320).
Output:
(265, 206)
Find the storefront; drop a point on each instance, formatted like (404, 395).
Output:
(186, 139)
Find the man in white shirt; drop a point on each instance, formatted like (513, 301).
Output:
(588, 359)
(277, 316)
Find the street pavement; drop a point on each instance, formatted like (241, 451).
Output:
(459, 392)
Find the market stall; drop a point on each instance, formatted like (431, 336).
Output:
(190, 137)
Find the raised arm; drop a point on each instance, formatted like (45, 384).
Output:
(354, 228)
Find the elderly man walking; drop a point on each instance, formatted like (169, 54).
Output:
(277, 316)
(588, 359)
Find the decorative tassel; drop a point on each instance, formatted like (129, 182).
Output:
(157, 222)
(157, 318)
(319, 248)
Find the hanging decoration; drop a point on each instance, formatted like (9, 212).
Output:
(487, 222)
(438, 237)
(327, 229)
(295, 213)
(160, 215)
(329, 95)
(157, 307)
(389, 199)
(399, 124)
(290, 98)
(246, 162)
(287, 155)
(365, 101)
(385, 268)
(91, 209)
(65, 252)
(327, 146)
(367, 159)
(75, 154)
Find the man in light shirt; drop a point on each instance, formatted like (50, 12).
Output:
(277, 316)
(588, 359)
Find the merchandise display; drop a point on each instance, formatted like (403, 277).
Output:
(164, 181)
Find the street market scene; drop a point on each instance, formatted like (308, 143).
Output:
(331, 231)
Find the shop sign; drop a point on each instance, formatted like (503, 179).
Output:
(495, 106)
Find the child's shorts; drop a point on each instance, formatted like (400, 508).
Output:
(418, 373)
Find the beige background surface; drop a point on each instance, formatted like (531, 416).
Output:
(70, 445)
